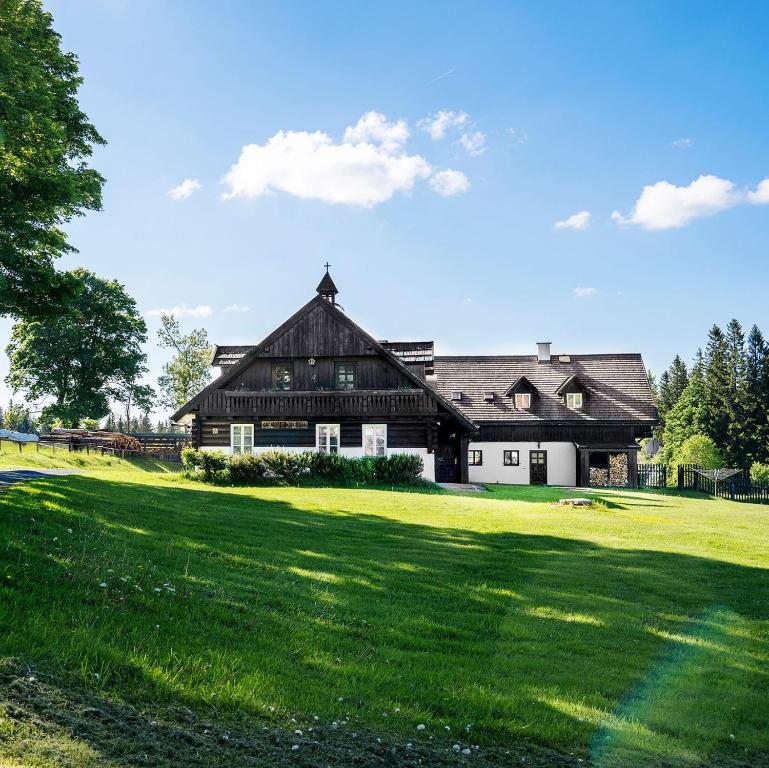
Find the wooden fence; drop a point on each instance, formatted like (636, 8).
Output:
(163, 443)
(738, 487)
(652, 476)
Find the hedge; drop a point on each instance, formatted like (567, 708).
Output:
(289, 467)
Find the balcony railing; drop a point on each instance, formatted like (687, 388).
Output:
(362, 403)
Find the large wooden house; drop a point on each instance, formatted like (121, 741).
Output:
(319, 382)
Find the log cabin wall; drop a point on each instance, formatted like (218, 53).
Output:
(401, 434)
(372, 372)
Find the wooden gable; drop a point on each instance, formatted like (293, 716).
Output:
(319, 333)
(311, 343)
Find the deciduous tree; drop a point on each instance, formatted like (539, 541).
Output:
(189, 370)
(45, 143)
(77, 358)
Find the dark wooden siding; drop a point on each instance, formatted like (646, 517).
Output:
(373, 372)
(576, 433)
(318, 334)
(402, 434)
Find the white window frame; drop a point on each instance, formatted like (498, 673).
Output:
(326, 445)
(574, 400)
(241, 448)
(372, 450)
(527, 396)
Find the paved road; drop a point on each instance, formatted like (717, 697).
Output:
(11, 476)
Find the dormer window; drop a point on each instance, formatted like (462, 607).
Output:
(456, 396)
(488, 397)
(523, 401)
(574, 400)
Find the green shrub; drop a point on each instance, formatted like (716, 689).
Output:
(329, 466)
(699, 450)
(289, 467)
(209, 466)
(191, 459)
(398, 469)
(759, 473)
(247, 470)
(286, 465)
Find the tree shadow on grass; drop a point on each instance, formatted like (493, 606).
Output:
(230, 603)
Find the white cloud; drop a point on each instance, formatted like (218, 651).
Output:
(585, 293)
(185, 189)
(438, 124)
(474, 143)
(579, 220)
(368, 168)
(519, 136)
(449, 182)
(374, 128)
(684, 143)
(760, 195)
(202, 310)
(236, 308)
(666, 206)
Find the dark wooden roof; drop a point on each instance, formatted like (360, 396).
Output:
(619, 389)
(413, 352)
(225, 357)
(326, 286)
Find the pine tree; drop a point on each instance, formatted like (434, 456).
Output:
(145, 425)
(754, 433)
(120, 427)
(161, 427)
(734, 403)
(109, 424)
(687, 417)
(679, 378)
(716, 405)
(672, 383)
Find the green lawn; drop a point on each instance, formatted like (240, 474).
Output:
(631, 633)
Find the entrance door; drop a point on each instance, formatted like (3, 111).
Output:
(538, 467)
(448, 465)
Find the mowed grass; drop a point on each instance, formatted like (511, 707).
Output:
(630, 633)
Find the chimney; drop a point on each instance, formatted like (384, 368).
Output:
(543, 351)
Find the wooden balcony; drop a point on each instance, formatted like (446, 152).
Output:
(363, 403)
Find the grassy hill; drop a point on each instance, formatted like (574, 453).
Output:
(142, 614)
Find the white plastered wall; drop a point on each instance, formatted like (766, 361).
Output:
(561, 463)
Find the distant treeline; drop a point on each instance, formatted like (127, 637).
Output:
(723, 395)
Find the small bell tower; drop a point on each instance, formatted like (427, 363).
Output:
(326, 287)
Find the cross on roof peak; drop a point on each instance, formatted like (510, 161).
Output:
(326, 287)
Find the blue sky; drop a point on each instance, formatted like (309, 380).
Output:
(493, 122)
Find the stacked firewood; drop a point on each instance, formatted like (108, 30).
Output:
(98, 438)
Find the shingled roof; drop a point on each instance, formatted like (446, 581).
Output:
(617, 386)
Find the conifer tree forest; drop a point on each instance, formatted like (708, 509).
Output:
(723, 394)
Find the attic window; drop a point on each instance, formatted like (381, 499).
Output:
(456, 396)
(523, 401)
(488, 397)
(574, 400)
